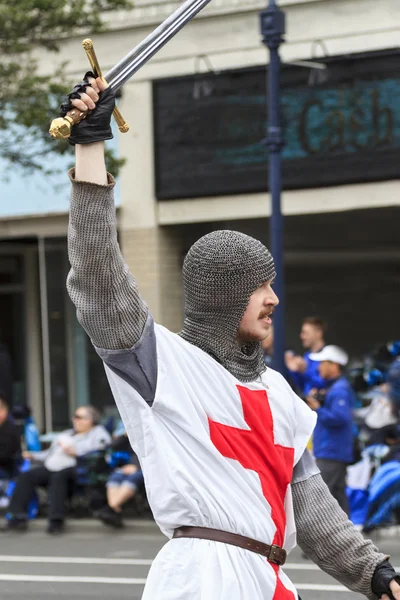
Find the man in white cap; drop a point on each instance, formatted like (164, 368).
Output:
(333, 434)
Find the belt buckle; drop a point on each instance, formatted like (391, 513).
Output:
(275, 555)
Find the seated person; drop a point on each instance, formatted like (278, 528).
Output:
(381, 419)
(57, 470)
(10, 441)
(121, 485)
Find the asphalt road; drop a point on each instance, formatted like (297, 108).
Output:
(91, 561)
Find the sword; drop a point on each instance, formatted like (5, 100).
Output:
(132, 62)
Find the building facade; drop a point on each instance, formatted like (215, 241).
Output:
(196, 162)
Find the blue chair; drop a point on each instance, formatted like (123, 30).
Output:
(32, 437)
(88, 491)
(384, 497)
(21, 416)
(117, 458)
(33, 506)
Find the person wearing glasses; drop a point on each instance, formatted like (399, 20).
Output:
(57, 468)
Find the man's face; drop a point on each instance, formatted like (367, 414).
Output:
(256, 322)
(3, 413)
(325, 369)
(309, 335)
(81, 420)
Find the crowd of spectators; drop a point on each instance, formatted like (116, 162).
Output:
(86, 457)
(355, 409)
(55, 468)
(357, 406)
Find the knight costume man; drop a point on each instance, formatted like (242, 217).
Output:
(221, 439)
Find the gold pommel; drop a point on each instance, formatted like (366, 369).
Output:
(124, 127)
(87, 44)
(61, 128)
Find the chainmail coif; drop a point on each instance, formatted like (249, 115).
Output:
(220, 273)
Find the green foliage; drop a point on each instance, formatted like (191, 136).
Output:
(28, 100)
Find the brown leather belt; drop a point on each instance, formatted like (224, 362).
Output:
(273, 553)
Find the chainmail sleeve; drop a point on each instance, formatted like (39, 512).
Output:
(99, 283)
(329, 539)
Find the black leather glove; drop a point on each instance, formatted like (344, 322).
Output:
(383, 575)
(96, 126)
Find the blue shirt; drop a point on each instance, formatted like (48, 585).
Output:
(333, 434)
(304, 382)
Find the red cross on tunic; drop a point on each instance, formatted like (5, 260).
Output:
(255, 449)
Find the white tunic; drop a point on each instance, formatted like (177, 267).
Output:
(215, 453)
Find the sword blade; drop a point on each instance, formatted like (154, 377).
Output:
(139, 56)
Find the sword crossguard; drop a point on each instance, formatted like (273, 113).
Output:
(61, 127)
(94, 63)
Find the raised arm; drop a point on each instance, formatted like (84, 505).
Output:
(100, 284)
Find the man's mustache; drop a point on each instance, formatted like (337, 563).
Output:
(266, 313)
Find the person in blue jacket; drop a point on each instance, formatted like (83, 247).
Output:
(333, 434)
(303, 371)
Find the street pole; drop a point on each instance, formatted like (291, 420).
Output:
(273, 29)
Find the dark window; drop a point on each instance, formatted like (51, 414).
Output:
(210, 128)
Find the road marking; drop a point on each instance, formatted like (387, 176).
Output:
(116, 561)
(319, 587)
(77, 560)
(134, 581)
(301, 566)
(140, 562)
(62, 579)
